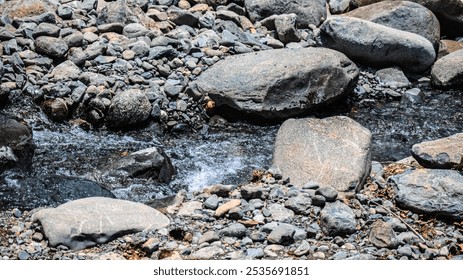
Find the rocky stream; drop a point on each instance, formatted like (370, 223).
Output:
(216, 129)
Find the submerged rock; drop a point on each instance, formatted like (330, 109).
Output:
(267, 87)
(334, 152)
(441, 153)
(431, 191)
(86, 222)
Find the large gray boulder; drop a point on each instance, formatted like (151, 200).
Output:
(402, 15)
(444, 153)
(47, 191)
(51, 46)
(16, 144)
(375, 44)
(337, 218)
(333, 151)
(447, 72)
(307, 11)
(86, 222)
(430, 191)
(148, 163)
(278, 84)
(130, 107)
(448, 11)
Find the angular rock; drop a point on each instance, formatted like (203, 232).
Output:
(114, 12)
(50, 191)
(86, 222)
(447, 72)
(189, 208)
(282, 234)
(279, 213)
(17, 143)
(267, 87)
(147, 163)
(299, 204)
(333, 151)
(383, 236)
(337, 218)
(444, 153)
(402, 15)
(65, 71)
(46, 29)
(376, 44)
(234, 230)
(285, 26)
(50, 46)
(307, 11)
(392, 77)
(130, 107)
(430, 191)
(338, 6)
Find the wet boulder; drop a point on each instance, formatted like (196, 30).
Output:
(444, 153)
(402, 15)
(430, 191)
(33, 192)
(334, 152)
(307, 11)
(336, 218)
(128, 108)
(148, 163)
(447, 72)
(16, 144)
(87, 222)
(277, 84)
(375, 44)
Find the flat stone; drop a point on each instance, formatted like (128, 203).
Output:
(86, 222)
(188, 209)
(300, 204)
(207, 253)
(329, 193)
(65, 71)
(209, 237)
(392, 77)
(224, 208)
(431, 191)
(50, 46)
(444, 153)
(334, 152)
(279, 213)
(337, 218)
(234, 230)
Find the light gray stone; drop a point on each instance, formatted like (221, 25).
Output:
(375, 44)
(86, 222)
(300, 204)
(432, 191)
(333, 151)
(392, 77)
(65, 71)
(279, 213)
(234, 230)
(444, 153)
(447, 72)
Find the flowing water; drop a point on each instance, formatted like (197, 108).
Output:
(229, 153)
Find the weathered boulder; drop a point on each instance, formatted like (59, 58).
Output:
(336, 218)
(16, 143)
(447, 72)
(333, 152)
(130, 107)
(444, 153)
(449, 12)
(277, 84)
(51, 46)
(430, 191)
(51, 191)
(402, 15)
(338, 6)
(307, 11)
(86, 222)
(148, 163)
(375, 44)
